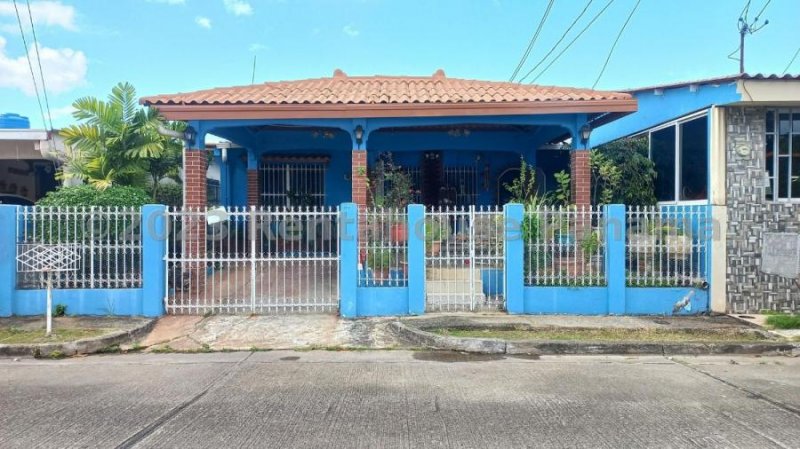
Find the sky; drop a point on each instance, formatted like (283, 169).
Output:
(168, 46)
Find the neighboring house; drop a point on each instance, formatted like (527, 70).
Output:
(313, 142)
(731, 142)
(27, 160)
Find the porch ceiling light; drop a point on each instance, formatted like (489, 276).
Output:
(586, 132)
(359, 134)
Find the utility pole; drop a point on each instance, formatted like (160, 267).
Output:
(746, 28)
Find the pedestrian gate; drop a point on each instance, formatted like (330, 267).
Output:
(249, 260)
(464, 254)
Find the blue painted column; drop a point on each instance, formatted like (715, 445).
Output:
(416, 259)
(8, 258)
(348, 260)
(615, 233)
(514, 215)
(154, 251)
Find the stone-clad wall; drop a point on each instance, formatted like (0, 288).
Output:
(750, 215)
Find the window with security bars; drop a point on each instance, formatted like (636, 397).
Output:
(783, 154)
(460, 186)
(292, 184)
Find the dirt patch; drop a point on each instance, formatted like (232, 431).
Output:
(455, 357)
(620, 334)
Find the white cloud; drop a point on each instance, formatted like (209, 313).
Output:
(204, 22)
(351, 31)
(64, 69)
(47, 13)
(238, 7)
(257, 47)
(65, 111)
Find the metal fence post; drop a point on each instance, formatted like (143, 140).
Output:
(8, 257)
(615, 234)
(154, 252)
(514, 265)
(348, 260)
(416, 259)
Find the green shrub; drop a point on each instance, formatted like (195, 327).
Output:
(60, 310)
(784, 321)
(84, 195)
(169, 195)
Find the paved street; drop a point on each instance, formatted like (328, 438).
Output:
(369, 399)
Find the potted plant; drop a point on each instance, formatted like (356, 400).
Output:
(435, 233)
(677, 244)
(590, 247)
(392, 188)
(379, 261)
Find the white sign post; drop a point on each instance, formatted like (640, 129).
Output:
(47, 259)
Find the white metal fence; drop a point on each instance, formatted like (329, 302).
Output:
(383, 247)
(107, 238)
(464, 252)
(564, 245)
(248, 260)
(667, 246)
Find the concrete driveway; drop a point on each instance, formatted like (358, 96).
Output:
(369, 399)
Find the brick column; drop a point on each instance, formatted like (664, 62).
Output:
(359, 177)
(253, 193)
(194, 224)
(580, 177)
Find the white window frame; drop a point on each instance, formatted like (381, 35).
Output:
(678, 162)
(776, 155)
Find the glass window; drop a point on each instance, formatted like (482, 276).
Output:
(782, 154)
(694, 159)
(662, 152)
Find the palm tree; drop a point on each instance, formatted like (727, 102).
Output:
(117, 142)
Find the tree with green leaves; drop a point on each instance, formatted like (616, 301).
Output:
(622, 173)
(116, 142)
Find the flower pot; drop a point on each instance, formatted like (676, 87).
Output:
(678, 246)
(492, 281)
(399, 233)
(434, 248)
(642, 243)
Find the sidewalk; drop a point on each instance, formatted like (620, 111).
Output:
(226, 332)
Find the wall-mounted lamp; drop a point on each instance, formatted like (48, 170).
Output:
(359, 134)
(189, 134)
(586, 132)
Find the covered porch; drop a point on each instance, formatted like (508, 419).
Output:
(317, 142)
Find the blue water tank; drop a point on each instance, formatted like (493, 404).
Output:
(14, 121)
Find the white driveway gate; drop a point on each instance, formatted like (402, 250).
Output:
(248, 260)
(464, 252)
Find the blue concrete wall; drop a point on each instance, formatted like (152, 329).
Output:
(656, 109)
(122, 301)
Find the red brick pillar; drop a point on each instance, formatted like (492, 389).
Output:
(194, 223)
(580, 177)
(360, 196)
(359, 178)
(253, 191)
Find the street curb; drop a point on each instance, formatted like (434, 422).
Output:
(430, 340)
(84, 346)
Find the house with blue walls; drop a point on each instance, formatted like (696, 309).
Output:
(730, 143)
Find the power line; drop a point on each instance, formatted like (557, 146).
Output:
(30, 64)
(610, 52)
(597, 16)
(532, 41)
(792, 61)
(552, 49)
(39, 61)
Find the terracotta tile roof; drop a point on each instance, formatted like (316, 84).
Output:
(341, 89)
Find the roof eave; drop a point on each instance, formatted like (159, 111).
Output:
(310, 111)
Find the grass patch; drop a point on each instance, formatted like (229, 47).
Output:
(784, 321)
(10, 336)
(584, 334)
